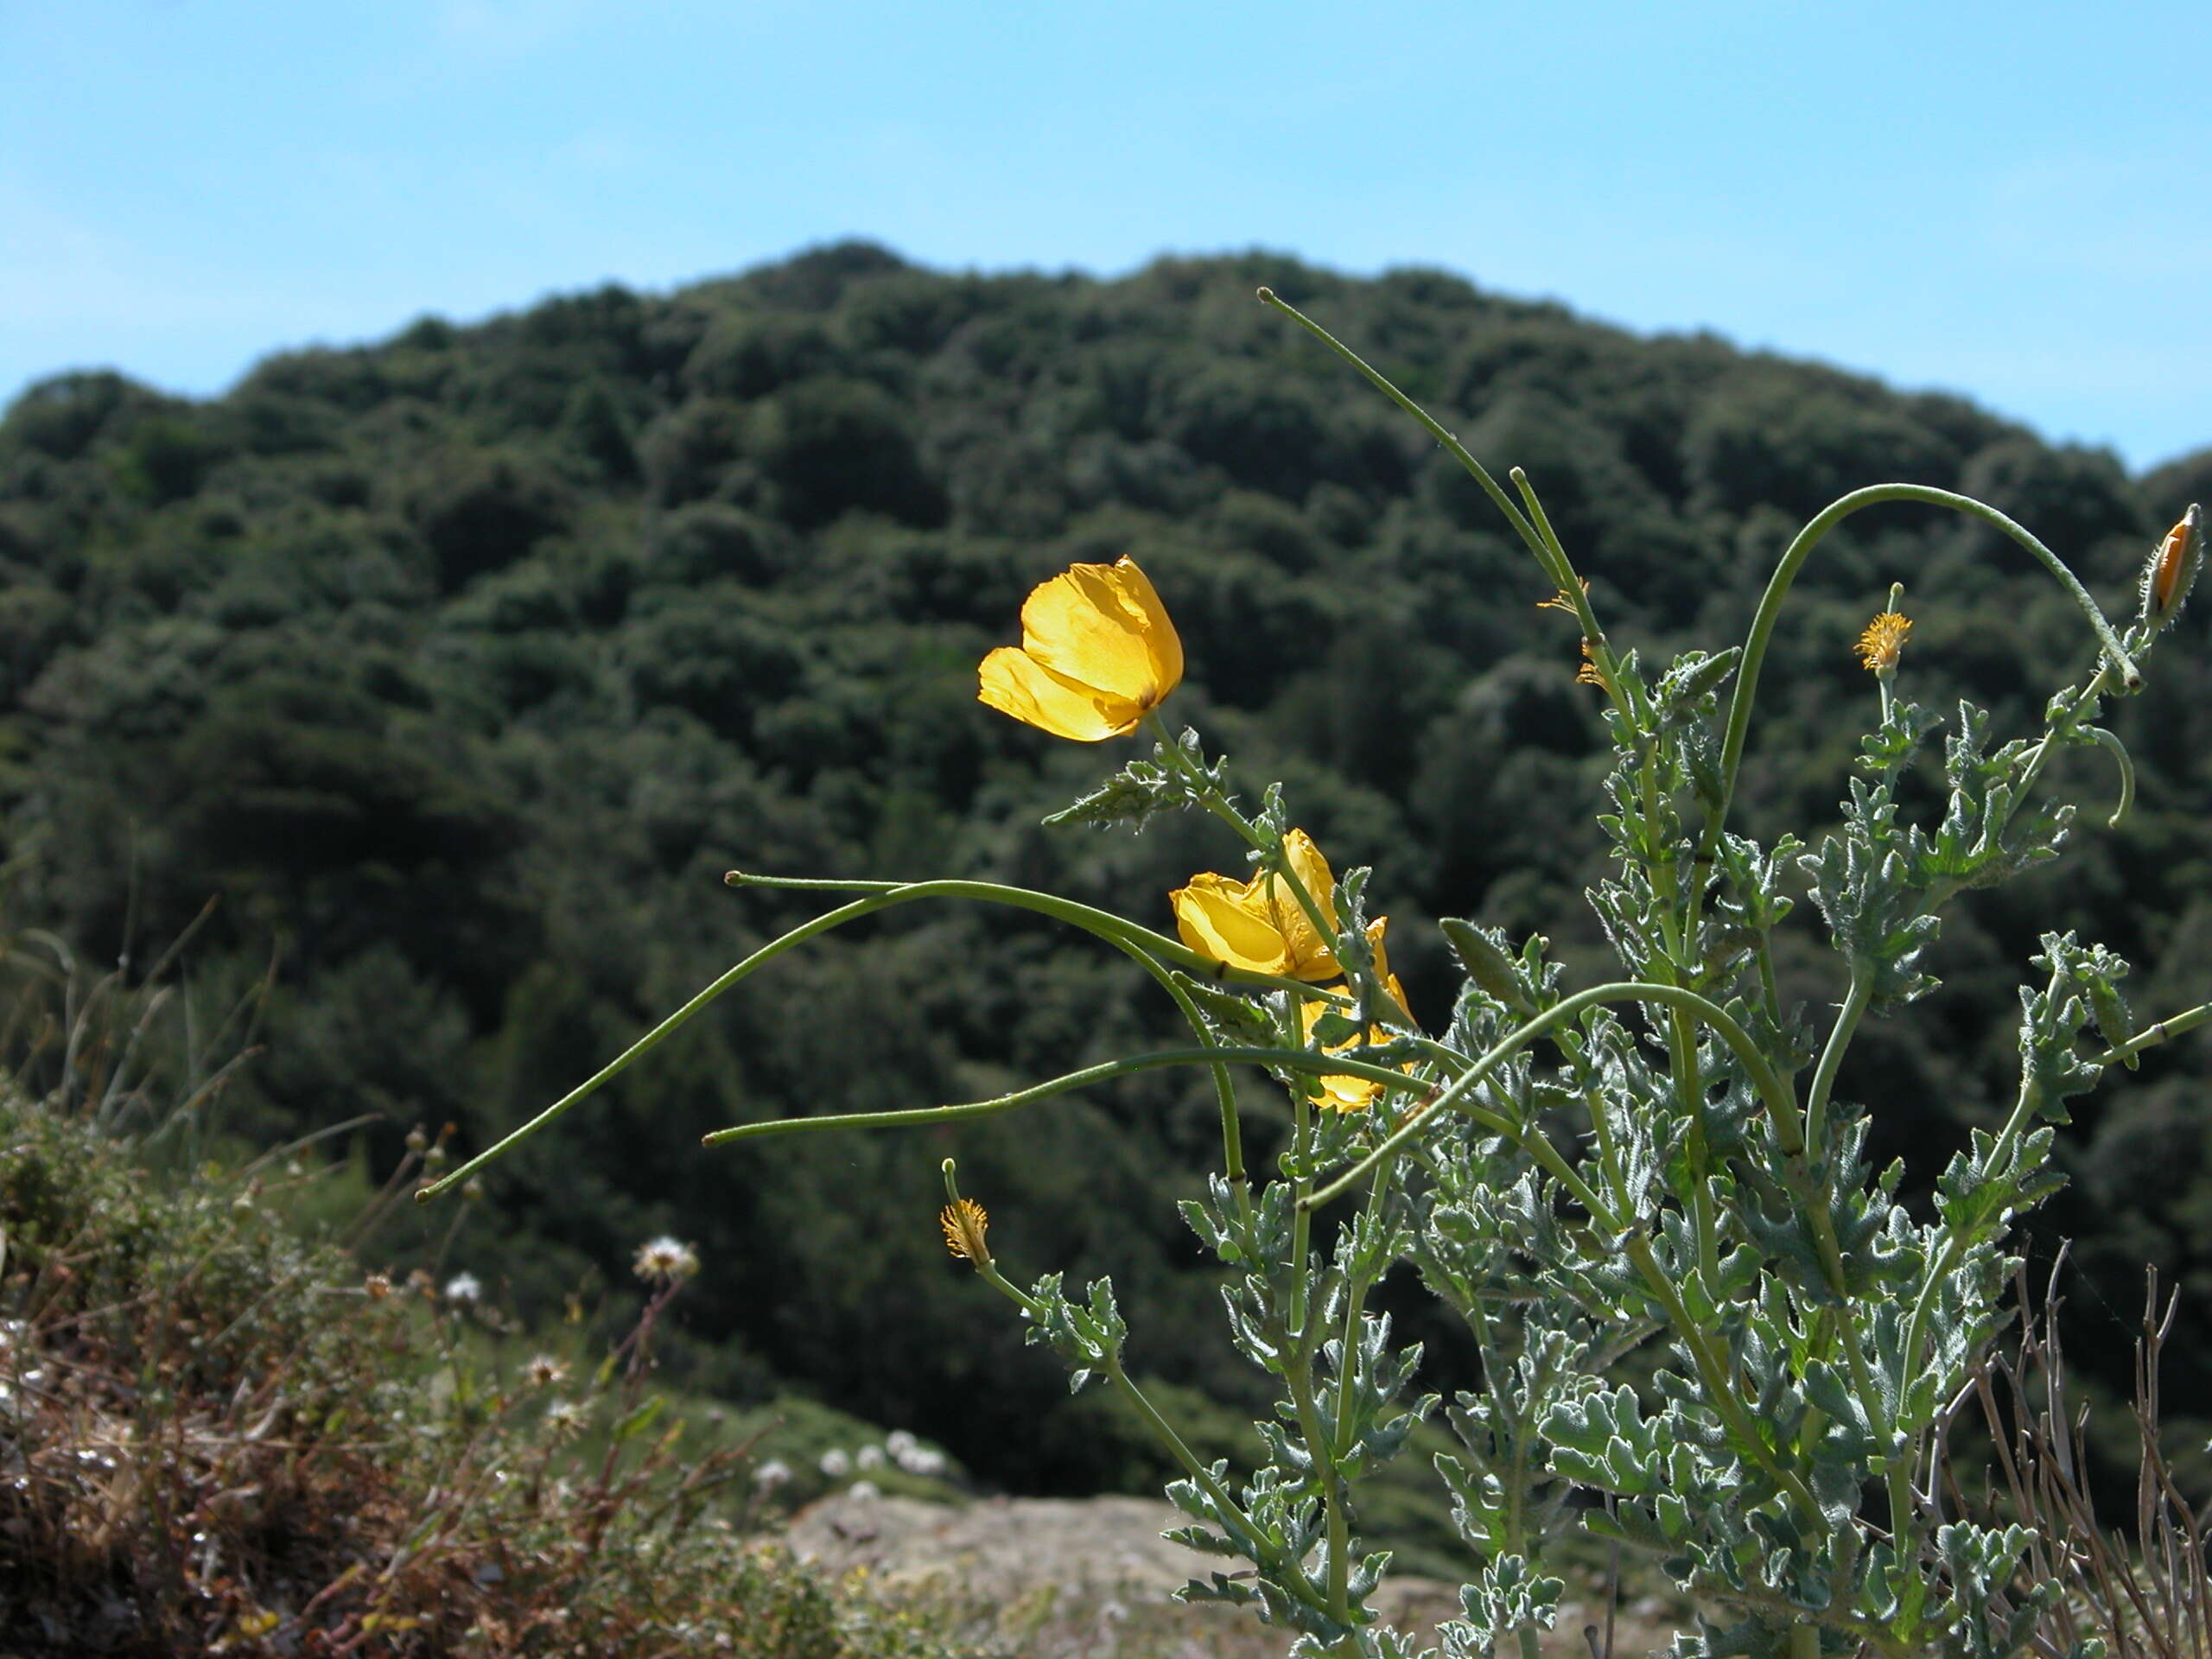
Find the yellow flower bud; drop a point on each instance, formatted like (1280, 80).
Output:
(2172, 570)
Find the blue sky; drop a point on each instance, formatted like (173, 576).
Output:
(2014, 202)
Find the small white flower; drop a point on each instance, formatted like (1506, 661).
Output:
(835, 1464)
(563, 1418)
(463, 1287)
(899, 1442)
(923, 1460)
(871, 1457)
(771, 1474)
(665, 1258)
(543, 1370)
(865, 1490)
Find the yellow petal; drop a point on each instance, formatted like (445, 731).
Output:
(1349, 1094)
(1305, 858)
(1309, 954)
(1390, 981)
(1340, 1094)
(1398, 995)
(1163, 643)
(1015, 683)
(1103, 626)
(1225, 921)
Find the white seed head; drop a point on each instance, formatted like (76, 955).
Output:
(665, 1259)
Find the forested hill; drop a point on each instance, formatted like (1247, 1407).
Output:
(463, 664)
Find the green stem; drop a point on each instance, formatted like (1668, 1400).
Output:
(1682, 1041)
(1224, 1088)
(1839, 1035)
(1103, 923)
(1329, 1065)
(1601, 1136)
(1301, 1227)
(1778, 590)
(1302, 1332)
(877, 895)
(1770, 988)
(1773, 1090)
(2112, 746)
(1355, 1291)
(2173, 1026)
(1601, 652)
(1453, 446)
(1939, 893)
(1716, 1375)
(1169, 1438)
(2057, 728)
(1289, 1574)
(1896, 1481)
(1955, 1244)
(1785, 573)
(1202, 786)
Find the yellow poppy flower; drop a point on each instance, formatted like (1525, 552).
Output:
(1097, 654)
(1259, 926)
(1346, 1094)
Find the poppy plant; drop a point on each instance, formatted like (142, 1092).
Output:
(1097, 655)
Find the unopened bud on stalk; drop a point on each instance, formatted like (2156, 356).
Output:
(2172, 570)
(1487, 964)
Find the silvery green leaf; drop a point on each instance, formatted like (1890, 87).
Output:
(1507, 1595)
(1235, 1017)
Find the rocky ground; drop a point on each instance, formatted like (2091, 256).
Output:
(1059, 1578)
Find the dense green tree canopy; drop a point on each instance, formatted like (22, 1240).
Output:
(462, 666)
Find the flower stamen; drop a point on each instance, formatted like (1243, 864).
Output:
(1882, 640)
(965, 1221)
